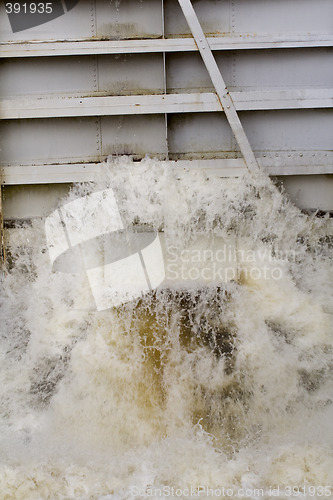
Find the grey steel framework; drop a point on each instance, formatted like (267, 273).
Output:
(114, 78)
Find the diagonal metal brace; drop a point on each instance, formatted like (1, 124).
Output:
(219, 84)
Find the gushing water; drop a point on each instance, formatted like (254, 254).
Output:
(204, 382)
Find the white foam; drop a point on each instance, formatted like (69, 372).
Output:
(226, 387)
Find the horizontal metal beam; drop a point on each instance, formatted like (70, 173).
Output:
(283, 99)
(93, 47)
(53, 107)
(275, 164)
(102, 106)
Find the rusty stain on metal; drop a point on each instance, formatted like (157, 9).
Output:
(123, 31)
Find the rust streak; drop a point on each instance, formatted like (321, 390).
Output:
(2, 235)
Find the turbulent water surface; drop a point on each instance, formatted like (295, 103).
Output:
(205, 383)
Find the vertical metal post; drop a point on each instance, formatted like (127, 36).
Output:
(222, 92)
(2, 235)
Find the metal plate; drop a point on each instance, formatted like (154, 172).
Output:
(49, 141)
(82, 76)
(135, 67)
(47, 76)
(134, 135)
(281, 68)
(282, 16)
(292, 130)
(129, 19)
(131, 74)
(204, 135)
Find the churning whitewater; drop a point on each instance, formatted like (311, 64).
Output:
(218, 382)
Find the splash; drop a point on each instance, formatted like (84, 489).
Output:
(211, 381)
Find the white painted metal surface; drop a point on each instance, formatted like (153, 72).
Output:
(112, 78)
